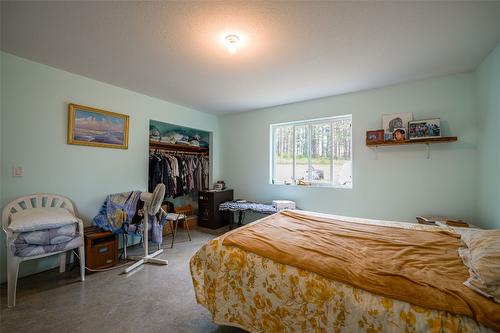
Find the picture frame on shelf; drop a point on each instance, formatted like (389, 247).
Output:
(392, 122)
(375, 136)
(424, 129)
(399, 134)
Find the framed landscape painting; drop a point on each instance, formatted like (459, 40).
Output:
(93, 127)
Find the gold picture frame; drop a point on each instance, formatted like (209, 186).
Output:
(98, 128)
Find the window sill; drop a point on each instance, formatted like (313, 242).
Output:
(344, 187)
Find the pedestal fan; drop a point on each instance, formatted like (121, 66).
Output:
(152, 204)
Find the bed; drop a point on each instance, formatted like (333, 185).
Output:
(244, 289)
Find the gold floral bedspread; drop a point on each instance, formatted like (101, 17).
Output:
(257, 294)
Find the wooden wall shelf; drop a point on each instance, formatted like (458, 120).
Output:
(183, 148)
(412, 142)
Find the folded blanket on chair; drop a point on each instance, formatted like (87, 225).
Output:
(52, 236)
(122, 213)
(30, 250)
(117, 210)
(38, 242)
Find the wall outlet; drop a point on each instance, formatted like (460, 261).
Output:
(17, 171)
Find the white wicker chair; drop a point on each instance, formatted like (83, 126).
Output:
(28, 202)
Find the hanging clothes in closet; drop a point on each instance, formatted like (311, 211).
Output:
(181, 173)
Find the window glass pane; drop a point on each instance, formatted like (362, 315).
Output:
(321, 153)
(301, 152)
(342, 164)
(283, 154)
(316, 151)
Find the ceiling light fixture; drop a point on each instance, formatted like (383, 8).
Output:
(232, 42)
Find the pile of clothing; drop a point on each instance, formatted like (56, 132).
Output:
(181, 174)
(177, 138)
(123, 213)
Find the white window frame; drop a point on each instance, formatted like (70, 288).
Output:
(309, 124)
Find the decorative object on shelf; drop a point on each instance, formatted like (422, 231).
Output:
(423, 129)
(391, 122)
(374, 136)
(99, 128)
(399, 134)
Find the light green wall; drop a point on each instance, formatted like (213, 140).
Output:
(399, 183)
(395, 183)
(488, 91)
(33, 135)
(1, 157)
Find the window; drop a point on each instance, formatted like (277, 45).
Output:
(314, 152)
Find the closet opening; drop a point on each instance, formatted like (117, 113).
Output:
(180, 158)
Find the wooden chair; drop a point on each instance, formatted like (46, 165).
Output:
(13, 262)
(182, 215)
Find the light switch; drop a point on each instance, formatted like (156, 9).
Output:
(17, 171)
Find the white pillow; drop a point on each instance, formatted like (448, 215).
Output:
(481, 255)
(41, 218)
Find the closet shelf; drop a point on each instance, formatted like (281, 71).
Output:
(185, 148)
(443, 139)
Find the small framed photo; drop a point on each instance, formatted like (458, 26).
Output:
(99, 128)
(392, 122)
(424, 129)
(399, 134)
(374, 136)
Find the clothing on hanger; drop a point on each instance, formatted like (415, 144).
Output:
(181, 174)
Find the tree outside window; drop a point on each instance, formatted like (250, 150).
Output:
(315, 152)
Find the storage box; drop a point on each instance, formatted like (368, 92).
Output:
(283, 204)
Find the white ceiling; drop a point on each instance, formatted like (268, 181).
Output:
(294, 50)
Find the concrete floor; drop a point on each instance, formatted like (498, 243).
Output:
(154, 299)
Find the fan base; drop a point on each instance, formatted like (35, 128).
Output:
(149, 259)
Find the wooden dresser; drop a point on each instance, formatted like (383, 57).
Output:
(208, 208)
